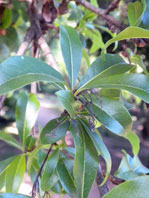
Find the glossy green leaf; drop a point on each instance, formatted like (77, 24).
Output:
(68, 101)
(66, 179)
(15, 173)
(18, 71)
(101, 149)
(79, 160)
(9, 139)
(137, 188)
(85, 162)
(54, 130)
(27, 109)
(111, 93)
(72, 52)
(6, 18)
(129, 33)
(104, 66)
(134, 141)
(135, 11)
(49, 170)
(11, 195)
(30, 142)
(115, 116)
(137, 84)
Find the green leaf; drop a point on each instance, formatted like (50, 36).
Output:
(104, 66)
(68, 101)
(134, 141)
(65, 179)
(54, 130)
(49, 170)
(30, 142)
(11, 195)
(79, 160)
(18, 71)
(85, 162)
(129, 33)
(4, 164)
(135, 11)
(96, 39)
(119, 120)
(72, 52)
(9, 139)
(2, 179)
(137, 84)
(101, 149)
(6, 18)
(15, 173)
(136, 188)
(130, 167)
(27, 109)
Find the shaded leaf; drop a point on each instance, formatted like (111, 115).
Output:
(48, 173)
(66, 179)
(54, 130)
(18, 71)
(6, 18)
(72, 52)
(68, 101)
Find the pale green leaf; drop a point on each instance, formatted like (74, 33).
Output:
(129, 33)
(134, 141)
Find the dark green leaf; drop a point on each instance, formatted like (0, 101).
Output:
(121, 122)
(49, 170)
(54, 130)
(6, 137)
(137, 188)
(85, 162)
(65, 179)
(72, 52)
(15, 173)
(137, 84)
(8, 195)
(4, 164)
(6, 18)
(104, 66)
(26, 114)
(19, 71)
(101, 149)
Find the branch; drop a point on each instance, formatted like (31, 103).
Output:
(39, 172)
(47, 53)
(112, 6)
(101, 13)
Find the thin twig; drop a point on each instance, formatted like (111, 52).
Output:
(39, 172)
(112, 6)
(101, 13)
(99, 179)
(47, 53)
(2, 98)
